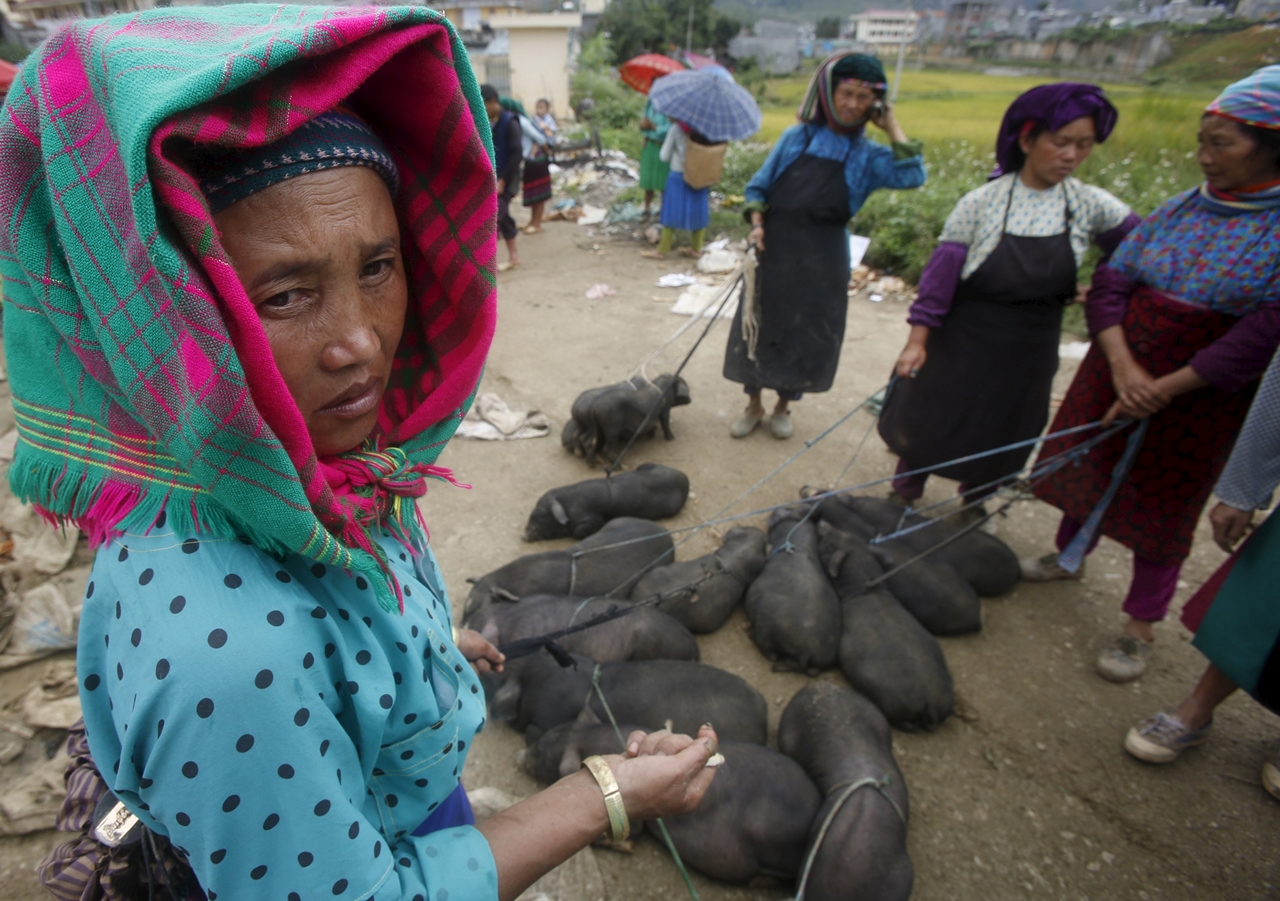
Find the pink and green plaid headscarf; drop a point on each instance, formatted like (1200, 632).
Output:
(142, 380)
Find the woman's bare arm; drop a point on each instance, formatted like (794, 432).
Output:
(661, 775)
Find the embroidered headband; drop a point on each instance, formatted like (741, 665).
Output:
(329, 141)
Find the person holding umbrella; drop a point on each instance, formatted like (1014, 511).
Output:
(639, 73)
(709, 108)
(653, 168)
(818, 175)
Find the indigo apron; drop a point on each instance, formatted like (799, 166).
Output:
(990, 367)
(804, 278)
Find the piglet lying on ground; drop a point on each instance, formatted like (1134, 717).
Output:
(982, 560)
(702, 593)
(643, 633)
(931, 591)
(840, 738)
(795, 616)
(884, 652)
(752, 825)
(652, 491)
(645, 692)
(605, 419)
(607, 563)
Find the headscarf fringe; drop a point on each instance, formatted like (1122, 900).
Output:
(106, 509)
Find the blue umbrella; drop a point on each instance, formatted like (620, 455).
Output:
(709, 101)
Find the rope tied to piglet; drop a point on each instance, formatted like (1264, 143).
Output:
(847, 790)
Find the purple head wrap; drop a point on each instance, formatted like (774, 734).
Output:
(1053, 106)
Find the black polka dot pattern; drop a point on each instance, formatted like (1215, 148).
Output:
(240, 654)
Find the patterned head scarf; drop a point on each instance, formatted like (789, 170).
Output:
(818, 106)
(1053, 106)
(1252, 101)
(142, 379)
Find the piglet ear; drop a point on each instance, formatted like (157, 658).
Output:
(558, 511)
(834, 561)
(505, 703)
(571, 762)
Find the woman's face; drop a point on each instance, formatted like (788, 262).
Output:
(494, 109)
(852, 101)
(319, 256)
(1231, 159)
(1054, 155)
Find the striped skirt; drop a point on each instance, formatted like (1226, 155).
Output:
(537, 181)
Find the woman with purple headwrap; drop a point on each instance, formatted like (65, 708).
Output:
(978, 367)
(1186, 316)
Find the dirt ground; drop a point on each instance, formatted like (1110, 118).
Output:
(1025, 793)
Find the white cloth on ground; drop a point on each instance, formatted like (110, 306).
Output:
(490, 419)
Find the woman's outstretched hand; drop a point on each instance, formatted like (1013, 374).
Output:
(663, 774)
(480, 651)
(1229, 525)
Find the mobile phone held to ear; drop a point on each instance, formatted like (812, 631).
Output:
(877, 110)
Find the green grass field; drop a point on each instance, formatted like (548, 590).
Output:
(943, 106)
(1149, 157)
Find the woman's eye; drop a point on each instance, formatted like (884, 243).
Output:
(283, 300)
(376, 268)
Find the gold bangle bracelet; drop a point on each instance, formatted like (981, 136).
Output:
(619, 824)
(456, 636)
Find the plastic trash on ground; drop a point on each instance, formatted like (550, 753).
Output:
(600, 291)
(676, 280)
(694, 298)
(719, 260)
(592, 215)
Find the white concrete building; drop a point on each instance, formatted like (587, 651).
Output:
(884, 26)
(541, 47)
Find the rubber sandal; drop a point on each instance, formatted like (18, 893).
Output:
(744, 425)
(508, 266)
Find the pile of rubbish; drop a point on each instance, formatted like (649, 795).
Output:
(43, 573)
(587, 194)
(875, 286)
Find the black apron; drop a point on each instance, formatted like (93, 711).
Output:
(803, 278)
(989, 371)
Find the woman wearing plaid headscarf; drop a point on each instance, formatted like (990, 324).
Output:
(1186, 317)
(249, 292)
(818, 175)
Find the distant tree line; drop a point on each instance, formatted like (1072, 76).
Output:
(661, 26)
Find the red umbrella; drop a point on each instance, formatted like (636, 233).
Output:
(640, 71)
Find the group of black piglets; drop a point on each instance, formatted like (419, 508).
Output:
(818, 594)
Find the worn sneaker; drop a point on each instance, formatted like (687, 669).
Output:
(1271, 775)
(780, 425)
(1163, 737)
(744, 425)
(1046, 569)
(1125, 660)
